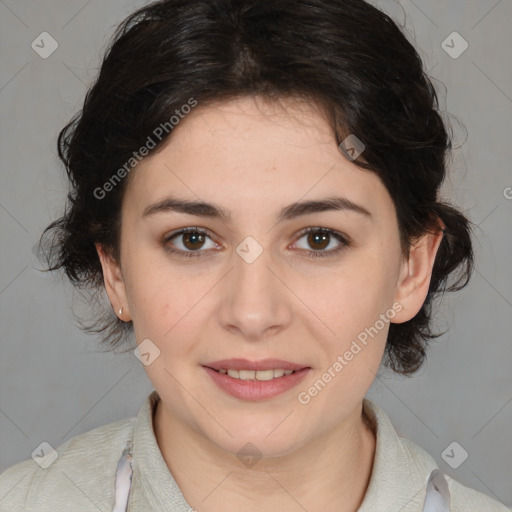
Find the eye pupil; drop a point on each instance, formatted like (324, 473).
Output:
(318, 238)
(196, 240)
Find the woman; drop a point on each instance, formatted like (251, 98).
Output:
(255, 186)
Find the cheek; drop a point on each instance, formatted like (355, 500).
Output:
(353, 297)
(161, 311)
(159, 296)
(169, 311)
(357, 309)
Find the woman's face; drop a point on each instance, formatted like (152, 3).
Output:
(249, 288)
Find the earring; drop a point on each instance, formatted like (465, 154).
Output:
(120, 311)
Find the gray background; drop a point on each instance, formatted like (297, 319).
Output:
(55, 382)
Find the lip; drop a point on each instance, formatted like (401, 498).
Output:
(245, 364)
(256, 390)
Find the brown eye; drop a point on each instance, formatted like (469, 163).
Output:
(318, 239)
(188, 242)
(193, 240)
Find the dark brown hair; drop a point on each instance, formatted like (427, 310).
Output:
(345, 56)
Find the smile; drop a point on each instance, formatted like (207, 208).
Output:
(256, 375)
(255, 385)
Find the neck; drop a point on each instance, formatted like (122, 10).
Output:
(330, 473)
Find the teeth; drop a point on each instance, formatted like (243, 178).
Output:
(234, 373)
(256, 375)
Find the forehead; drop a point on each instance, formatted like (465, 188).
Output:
(248, 151)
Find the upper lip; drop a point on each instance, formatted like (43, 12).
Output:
(245, 364)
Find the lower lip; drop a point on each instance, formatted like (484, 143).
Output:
(256, 389)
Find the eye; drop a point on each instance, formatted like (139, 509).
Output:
(192, 240)
(320, 239)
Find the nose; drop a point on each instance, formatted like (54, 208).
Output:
(255, 301)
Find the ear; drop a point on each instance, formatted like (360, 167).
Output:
(114, 283)
(416, 274)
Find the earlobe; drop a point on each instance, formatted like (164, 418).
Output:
(416, 275)
(114, 283)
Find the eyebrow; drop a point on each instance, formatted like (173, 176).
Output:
(292, 211)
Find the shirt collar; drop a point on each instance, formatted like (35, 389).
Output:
(152, 482)
(397, 483)
(400, 468)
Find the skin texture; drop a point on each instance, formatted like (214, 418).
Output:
(254, 158)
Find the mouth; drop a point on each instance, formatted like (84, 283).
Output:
(254, 375)
(265, 369)
(255, 380)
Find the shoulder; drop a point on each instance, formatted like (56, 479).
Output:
(405, 467)
(82, 474)
(463, 499)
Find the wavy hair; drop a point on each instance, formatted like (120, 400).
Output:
(345, 56)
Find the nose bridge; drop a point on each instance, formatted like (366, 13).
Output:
(255, 300)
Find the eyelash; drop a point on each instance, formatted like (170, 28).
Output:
(310, 254)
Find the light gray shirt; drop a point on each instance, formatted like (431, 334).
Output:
(82, 476)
